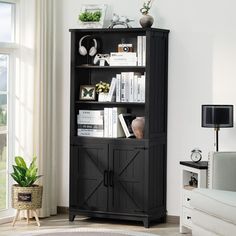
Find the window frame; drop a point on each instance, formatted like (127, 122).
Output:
(10, 49)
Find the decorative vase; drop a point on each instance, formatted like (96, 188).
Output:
(138, 125)
(146, 21)
(102, 97)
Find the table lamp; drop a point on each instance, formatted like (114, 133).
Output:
(217, 116)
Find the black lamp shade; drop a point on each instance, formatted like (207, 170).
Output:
(217, 116)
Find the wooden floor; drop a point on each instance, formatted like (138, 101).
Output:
(61, 221)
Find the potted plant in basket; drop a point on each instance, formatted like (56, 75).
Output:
(26, 195)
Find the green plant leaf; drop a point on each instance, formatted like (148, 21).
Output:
(20, 162)
(19, 171)
(16, 178)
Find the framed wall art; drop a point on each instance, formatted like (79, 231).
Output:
(87, 92)
(92, 16)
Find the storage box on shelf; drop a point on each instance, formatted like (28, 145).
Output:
(120, 178)
(193, 175)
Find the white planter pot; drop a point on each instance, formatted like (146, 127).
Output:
(102, 97)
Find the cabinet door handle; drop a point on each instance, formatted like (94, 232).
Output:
(105, 178)
(111, 178)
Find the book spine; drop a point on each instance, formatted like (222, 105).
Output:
(123, 124)
(139, 50)
(135, 88)
(142, 88)
(110, 123)
(90, 133)
(118, 81)
(90, 126)
(114, 122)
(131, 87)
(144, 51)
(91, 113)
(139, 90)
(122, 99)
(96, 120)
(106, 122)
(111, 90)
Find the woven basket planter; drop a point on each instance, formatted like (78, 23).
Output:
(27, 198)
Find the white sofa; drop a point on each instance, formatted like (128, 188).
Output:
(214, 209)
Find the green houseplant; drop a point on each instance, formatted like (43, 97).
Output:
(26, 195)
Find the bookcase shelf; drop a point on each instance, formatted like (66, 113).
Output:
(110, 67)
(120, 178)
(111, 103)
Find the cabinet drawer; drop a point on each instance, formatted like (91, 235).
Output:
(187, 217)
(186, 198)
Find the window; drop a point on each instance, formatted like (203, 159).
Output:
(7, 58)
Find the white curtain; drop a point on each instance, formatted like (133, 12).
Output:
(35, 95)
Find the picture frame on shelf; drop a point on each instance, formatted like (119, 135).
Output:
(92, 16)
(87, 93)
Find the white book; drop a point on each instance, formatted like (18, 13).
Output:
(139, 50)
(117, 130)
(91, 113)
(126, 120)
(89, 119)
(139, 89)
(122, 90)
(123, 54)
(90, 126)
(112, 91)
(110, 122)
(142, 88)
(135, 88)
(118, 83)
(90, 133)
(106, 121)
(144, 51)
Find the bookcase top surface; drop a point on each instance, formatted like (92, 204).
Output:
(106, 30)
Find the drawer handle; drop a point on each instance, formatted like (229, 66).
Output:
(105, 178)
(188, 217)
(188, 199)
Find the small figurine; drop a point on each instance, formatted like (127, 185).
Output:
(117, 20)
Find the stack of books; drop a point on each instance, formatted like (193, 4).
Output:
(130, 87)
(112, 125)
(141, 50)
(90, 123)
(123, 59)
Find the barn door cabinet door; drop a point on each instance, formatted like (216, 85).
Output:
(89, 176)
(127, 177)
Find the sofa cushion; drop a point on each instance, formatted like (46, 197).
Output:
(218, 203)
(207, 225)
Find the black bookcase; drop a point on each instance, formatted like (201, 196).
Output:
(120, 178)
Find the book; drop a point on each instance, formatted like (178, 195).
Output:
(90, 132)
(106, 121)
(139, 50)
(89, 120)
(90, 113)
(144, 51)
(112, 91)
(117, 130)
(126, 120)
(118, 84)
(123, 59)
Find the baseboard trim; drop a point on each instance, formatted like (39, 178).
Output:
(169, 219)
(172, 219)
(62, 210)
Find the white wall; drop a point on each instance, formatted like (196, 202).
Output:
(202, 57)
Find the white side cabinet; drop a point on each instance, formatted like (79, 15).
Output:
(193, 175)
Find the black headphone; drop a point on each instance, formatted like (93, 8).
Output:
(82, 49)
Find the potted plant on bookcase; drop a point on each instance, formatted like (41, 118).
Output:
(25, 194)
(146, 20)
(102, 89)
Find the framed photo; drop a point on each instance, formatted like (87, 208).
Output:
(87, 92)
(92, 16)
